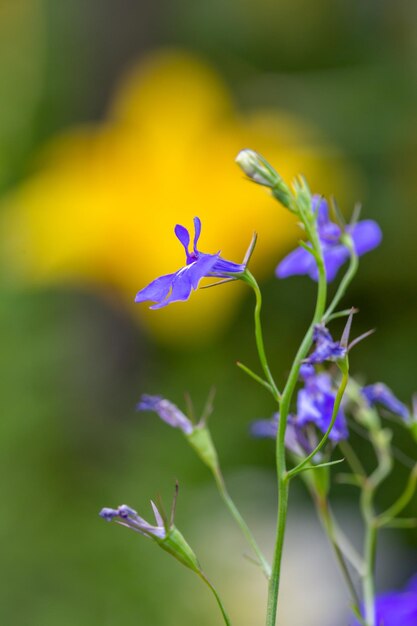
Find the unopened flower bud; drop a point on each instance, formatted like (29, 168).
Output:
(261, 172)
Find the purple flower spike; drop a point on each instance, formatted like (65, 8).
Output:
(125, 516)
(381, 394)
(366, 235)
(167, 411)
(179, 285)
(326, 349)
(397, 608)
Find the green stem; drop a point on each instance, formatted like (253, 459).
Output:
(250, 279)
(284, 404)
(326, 517)
(321, 443)
(368, 577)
(387, 516)
(218, 599)
(266, 568)
(347, 278)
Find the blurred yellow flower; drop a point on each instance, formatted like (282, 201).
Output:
(101, 207)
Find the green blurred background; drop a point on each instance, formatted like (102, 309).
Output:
(95, 169)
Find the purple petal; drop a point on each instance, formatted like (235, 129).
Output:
(197, 232)
(297, 262)
(157, 290)
(108, 514)
(366, 236)
(224, 268)
(167, 411)
(334, 258)
(381, 394)
(183, 235)
(265, 428)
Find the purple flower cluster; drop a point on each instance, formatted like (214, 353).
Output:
(315, 402)
(397, 608)
(179, 285)
(366, 235)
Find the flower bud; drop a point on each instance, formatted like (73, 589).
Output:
(261, 172)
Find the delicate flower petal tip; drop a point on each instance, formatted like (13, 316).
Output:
(381, 394)
(167, 411)
(366, 235)
(126, 516)
(177, 287)
(326, 349)
(299, 439)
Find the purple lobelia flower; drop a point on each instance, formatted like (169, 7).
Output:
(397, 608)
(366, 235)
(167, 411)
(326, 349)
(178, 286)
(381, 394)
(125, 516)
(315, 402)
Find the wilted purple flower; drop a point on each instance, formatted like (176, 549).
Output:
(178, 286)
(366, 235)
(381, 394)
(326, 348)
(125, 516)
(167, 411)
(397, 608)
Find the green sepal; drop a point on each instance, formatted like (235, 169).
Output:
(176, 545)
(200, 439)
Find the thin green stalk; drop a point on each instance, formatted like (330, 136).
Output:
(389, 514)
(369, 556)
(266, 568)
(284, 404)
(218, 599)
(347, 278)
(250, 279)
(295, 470)
(326, 517)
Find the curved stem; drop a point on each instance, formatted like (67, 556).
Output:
(389, 514)
(218, 599)
(347, 278)
(250, 280)
(266, 568)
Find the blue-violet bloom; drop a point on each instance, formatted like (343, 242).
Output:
(315, 402)
(178, 286)
(396, 608)
(326, 349)
(366, 235)
(167, 411)
(125, 516)
(381, 394)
